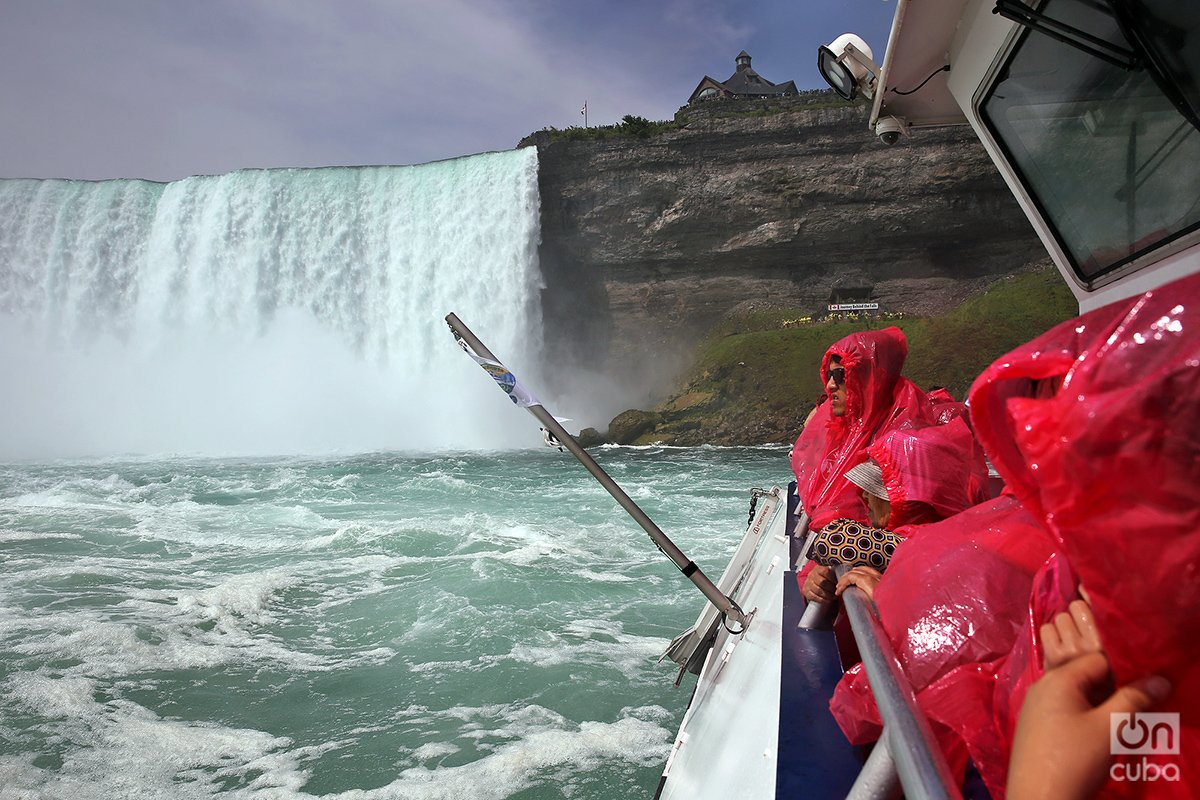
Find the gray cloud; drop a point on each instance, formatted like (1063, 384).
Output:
(161, 90)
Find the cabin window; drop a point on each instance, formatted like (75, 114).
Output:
(707, 94)
(1110, 161)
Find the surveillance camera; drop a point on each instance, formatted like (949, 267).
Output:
(889, 129)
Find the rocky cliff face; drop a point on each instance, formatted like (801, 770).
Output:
(646, 242)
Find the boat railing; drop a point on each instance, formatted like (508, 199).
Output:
(690, 648)
(908, 737)
(907, 755)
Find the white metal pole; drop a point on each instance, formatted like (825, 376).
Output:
(689, 568)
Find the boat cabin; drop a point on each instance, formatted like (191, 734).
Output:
(1091, 113)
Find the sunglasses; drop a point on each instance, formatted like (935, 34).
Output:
(839, 375)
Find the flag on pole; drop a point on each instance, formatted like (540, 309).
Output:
(503, 378)
(583, 110)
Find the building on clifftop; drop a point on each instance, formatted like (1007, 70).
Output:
(744, 83)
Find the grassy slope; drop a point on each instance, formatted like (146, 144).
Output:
(951, 350)
(754, 380)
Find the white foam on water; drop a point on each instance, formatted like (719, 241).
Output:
(541, 744)
(437, 668)
(53, 697)
(442, 616)
(83, 570)
(33, 536)
(226, 623)
(237, 601)
(246, 526)
(123, 750)
(355, 533)
(644, 493)
(131, 752)
(630, 655)
(230, 621)
(591, 576)
(110, 649)
(51, 499)
(448, 479)
(524, 544)
(434, 750)
(248, 573)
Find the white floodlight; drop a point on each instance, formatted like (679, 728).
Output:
(846, 65)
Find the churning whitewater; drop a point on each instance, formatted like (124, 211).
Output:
(319, 576)
(482, 625)
(265, 311)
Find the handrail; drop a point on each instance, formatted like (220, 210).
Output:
(878, 779)
(817, 616)
(919, 761)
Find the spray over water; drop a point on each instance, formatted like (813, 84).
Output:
(265, 311)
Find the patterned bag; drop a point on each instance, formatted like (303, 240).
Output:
(846, 541)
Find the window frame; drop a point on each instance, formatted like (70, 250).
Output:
(1053, 223)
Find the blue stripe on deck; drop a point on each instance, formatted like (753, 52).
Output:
(815, 760)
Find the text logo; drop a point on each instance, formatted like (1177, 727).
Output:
(1144, 734)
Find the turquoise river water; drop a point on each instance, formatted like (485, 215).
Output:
(449, 625)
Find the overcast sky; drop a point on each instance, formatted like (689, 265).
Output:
(163, 89)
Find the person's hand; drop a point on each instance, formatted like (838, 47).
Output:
(1070, 636)
(865, 578)
(1061, 748)
(820, 584)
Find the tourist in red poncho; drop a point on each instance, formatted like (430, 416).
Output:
(949, 597)
(867, 396)
(1094, 426)
(954, 596)
(925, 474)
(1116, 459)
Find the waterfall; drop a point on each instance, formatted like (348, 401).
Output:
(267, 311)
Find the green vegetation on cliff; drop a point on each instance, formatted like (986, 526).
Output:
(629, 126)
(632, 126)
(951, 350)
(756, 376)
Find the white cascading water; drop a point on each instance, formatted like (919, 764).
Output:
(264, 312)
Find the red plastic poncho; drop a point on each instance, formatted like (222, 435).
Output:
(945, 408)
(1116, 454)
(939, 466)
(979, 703)
(953, 594)
(1110, 463)
(979, 700)
(878, 399)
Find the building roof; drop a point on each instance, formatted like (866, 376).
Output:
(744, 82)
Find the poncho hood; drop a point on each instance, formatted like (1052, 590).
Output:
(1110, 463)
(936, 466)
(878, 398)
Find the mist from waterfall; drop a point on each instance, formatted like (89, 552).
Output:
(268, 311)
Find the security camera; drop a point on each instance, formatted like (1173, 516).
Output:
(846, 65)
(890, 129)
